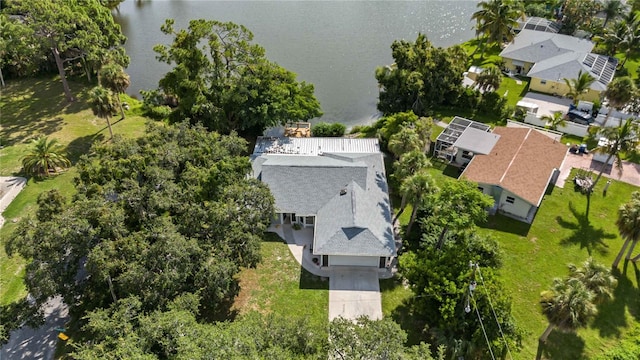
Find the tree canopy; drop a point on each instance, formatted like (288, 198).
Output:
(422, 76)
(170, 213)
(72, 30)
(224, 81)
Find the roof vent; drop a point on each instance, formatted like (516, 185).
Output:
(343, 191)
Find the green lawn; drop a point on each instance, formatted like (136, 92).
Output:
(513, 91)
(491, 53)
(280, 285)
(34, 107)
(561, 234)
(535, 254)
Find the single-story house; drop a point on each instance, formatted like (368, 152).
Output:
(517, 170)
(338, 187)
(549, 58)
(538, 24)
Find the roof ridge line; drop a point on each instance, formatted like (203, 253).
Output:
(515, 155)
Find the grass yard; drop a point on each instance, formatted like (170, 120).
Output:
(513, 91)
(491, 53)
(34, 107)
(279, 285)
(560, 235)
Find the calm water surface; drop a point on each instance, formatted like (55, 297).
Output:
(336, 45)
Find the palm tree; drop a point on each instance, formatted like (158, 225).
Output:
(619, 92)
(102, 104)
(416, 187)
(555, 120)
(596, 277)
(613, 37)
(620, 139)
(628, 223)
(568, 306)
(613, 9)
(631, 41)
(404, 141)
(496, 20)
(45, 157)
(489, 79)
(579, 85)
(113, 77)
(409, 164)
(424, 127)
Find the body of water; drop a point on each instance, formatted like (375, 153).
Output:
(335, 45)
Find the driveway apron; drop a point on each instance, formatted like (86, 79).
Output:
(354, 292)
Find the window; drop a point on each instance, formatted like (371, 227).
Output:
(511, 199)
(309, 220)
(543, 82)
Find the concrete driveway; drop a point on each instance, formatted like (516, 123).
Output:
(354, 292)
(547, 104)
(630, 171)
(40, 343)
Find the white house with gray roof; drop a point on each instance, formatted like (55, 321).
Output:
(338, 187)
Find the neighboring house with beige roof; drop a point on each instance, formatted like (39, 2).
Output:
(549, 58)
(517, 170)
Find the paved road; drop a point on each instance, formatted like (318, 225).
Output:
(354, 292)
(40, 343)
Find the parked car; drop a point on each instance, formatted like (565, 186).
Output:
(579, 117)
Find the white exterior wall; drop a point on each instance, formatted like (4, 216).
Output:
(570, 127)
(519, 208)
(338, 260)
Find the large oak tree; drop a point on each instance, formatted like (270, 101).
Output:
(223, 80)
(73, 31)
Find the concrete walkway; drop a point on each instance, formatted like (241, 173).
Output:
(630, 171)
(10, 187)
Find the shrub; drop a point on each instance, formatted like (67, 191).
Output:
(158, 112)
(323, 129)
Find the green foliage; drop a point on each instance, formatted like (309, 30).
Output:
(497, 19)
(126, 331)
(102, 102)
(373, 339)
(169, 213)
(422, 76)
(72, 31)
(44, 157)
(224, 81)
(323, 129)
(440, 280)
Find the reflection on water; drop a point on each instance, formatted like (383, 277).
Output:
(335, 45)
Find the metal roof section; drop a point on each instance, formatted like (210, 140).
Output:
(314, 145)
(454, 130)
(538, 24)
(476, 141)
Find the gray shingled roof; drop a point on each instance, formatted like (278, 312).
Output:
(303, 184)
(349, 224)
(567, 66)
(534, 46)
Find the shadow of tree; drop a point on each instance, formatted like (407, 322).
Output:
(566, 346)
(611, 314)
(584, 233)
(506, 224)
(404, 316)
(82, 145)
(31, 108)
